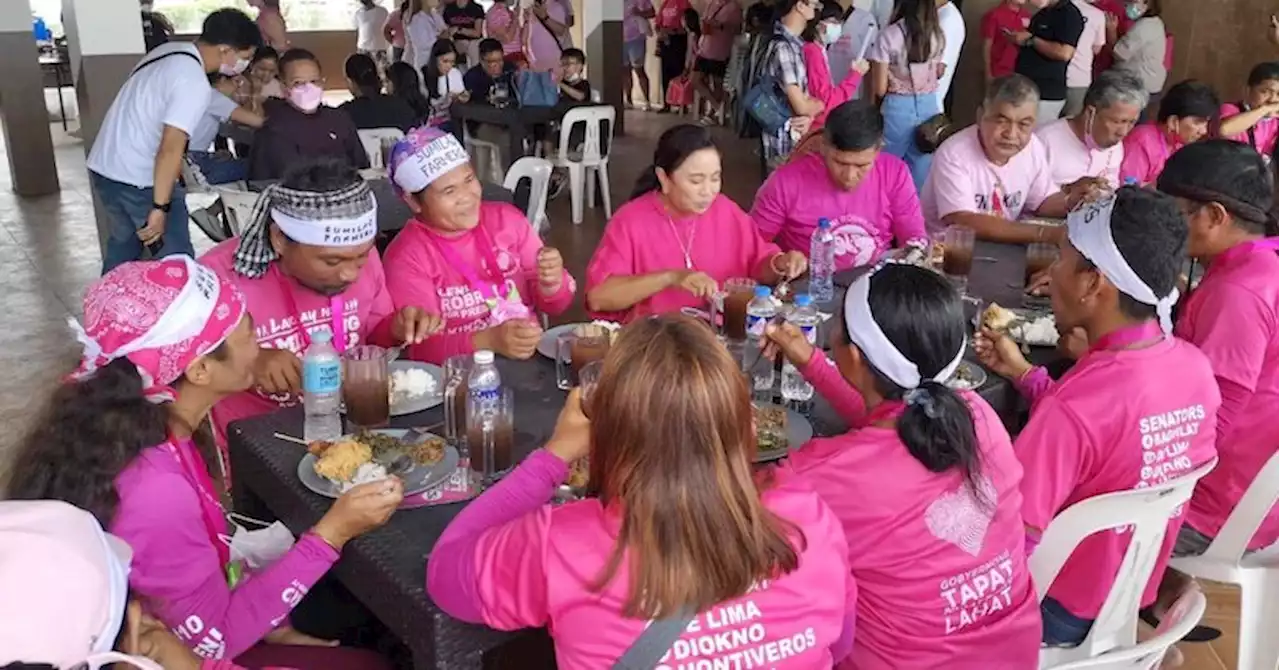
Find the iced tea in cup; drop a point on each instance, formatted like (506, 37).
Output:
(490, 438)
(731, 310)
(957, 256)
(366, 386)
(587, 343)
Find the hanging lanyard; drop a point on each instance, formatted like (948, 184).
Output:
(489, 290)
(211, 512)
(337, 322)
(1125, 337)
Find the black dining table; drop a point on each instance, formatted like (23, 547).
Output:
(386, 568)
(518, 121)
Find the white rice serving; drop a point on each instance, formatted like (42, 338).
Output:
(369, 472)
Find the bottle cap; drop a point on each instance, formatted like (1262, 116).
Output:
(483, 357)
(322, 336)
(763, 291)
(803, 300)
(1130, 181)
(824, 223)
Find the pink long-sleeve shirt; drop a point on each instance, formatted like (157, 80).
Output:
(512, 561)
(1119, 419)
(942, 576)
(643, 238)
(1231, 316)
(285, 313)
(177, 570)
(866, 221)
(822, 85)
(419, 274)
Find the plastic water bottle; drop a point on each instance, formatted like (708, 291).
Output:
(484, 391)
(805, 317)
(760, 311)
(822, 262)
(321, 389)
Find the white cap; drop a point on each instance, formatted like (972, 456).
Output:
(483, 357)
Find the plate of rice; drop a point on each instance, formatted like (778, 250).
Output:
(333, 468)
(415, 386)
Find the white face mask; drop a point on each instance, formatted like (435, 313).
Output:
(262, 547)
(831, 33)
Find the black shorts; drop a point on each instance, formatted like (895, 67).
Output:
(711, 68)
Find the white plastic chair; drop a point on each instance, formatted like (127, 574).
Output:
(1257, 574)
(372, 139)
(487, 155)
(1146, 512)
(593, 160)
(238, 207)
(538, 172)
(596, 97)
(1184, 616)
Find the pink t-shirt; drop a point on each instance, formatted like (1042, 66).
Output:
(1118, 420)
(395, 26)
(284, 312)
(865, 221)
(963, 180)
(1265, 132)
(1094, 37)
(717, 43)
(544, 47)
(1232, 317)
(942, 579)
(1070, 159)
(500, 17)
(420, 273)
(643, 238)
(905, 79)
(1146, 149)
(538, 569)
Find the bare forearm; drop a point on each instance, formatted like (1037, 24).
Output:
(1241, 123)
(167, 168)
(620, 293)
(247, 118)
(1053, 50)
(572, 92)
(997, 229)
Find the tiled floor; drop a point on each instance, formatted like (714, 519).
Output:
(49, 254)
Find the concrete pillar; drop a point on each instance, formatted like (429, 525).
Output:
(28, 144)
(104, 38)
(601, 22)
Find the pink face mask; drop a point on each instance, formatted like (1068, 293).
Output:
(306, 97)
(1090, 143)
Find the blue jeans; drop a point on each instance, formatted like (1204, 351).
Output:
(902, 114)
(220, 168)
(1061, 628)
(127, 207)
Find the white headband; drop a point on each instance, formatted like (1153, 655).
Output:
(879, 351)
(1089, 230)
(417, 170)
(329, 232)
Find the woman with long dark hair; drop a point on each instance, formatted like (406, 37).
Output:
(403, 82)
(906, 66)
(673, 42)
(442, 82)
(126, 438)
(679, 238)
(369, 107)
(925, 485)
(675, 528)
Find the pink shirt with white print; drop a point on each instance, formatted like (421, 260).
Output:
(421, 273)
(1120, 419)
(1146, 149)
(512, 561)
(962, 179)
(643, 238)
(866, 221)
(285, 313)
(942, 577)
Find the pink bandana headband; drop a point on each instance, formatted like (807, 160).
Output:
(423, 156)
(161, 315)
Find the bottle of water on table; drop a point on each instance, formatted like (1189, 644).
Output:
(804, 317)
(760, 311)
(484, 411)
(822, 262)
(321, 389)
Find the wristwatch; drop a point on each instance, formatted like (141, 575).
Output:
(163, 208)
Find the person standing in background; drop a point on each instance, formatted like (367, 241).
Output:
(394, 32)
(784, 61)
(906, 64)
(673, 43)
(1047, 46)
(952, 23)
(635, 42)
(371, 40)
(721, 23)
(1113, 12)
(832, 87)
(423, 25)
(275, 33)
(505, 24)
(1080, 68)
(1141, 51)
(857, 34)
(466, 26)
(549, 33)
(999, 53)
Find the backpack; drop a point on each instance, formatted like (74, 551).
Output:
(536, 89)
(763, 98)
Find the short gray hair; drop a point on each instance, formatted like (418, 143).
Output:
(1115, 87)
(1014, 89)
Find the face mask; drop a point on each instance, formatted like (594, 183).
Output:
(235, 69)
(262, 547)
(571, 78)
(832, 33)
(306, 97)
(1134, 12)
(1090, 143)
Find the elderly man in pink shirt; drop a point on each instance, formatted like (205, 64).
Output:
(1090, 144)
(989, 175)
(1136, 410)
(866, 194)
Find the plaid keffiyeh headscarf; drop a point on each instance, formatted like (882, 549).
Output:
(346, 217)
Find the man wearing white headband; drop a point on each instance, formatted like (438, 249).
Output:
(1139, 407)
(307, 263)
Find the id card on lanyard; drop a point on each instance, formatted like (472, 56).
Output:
(501, 307)
(211, 512)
